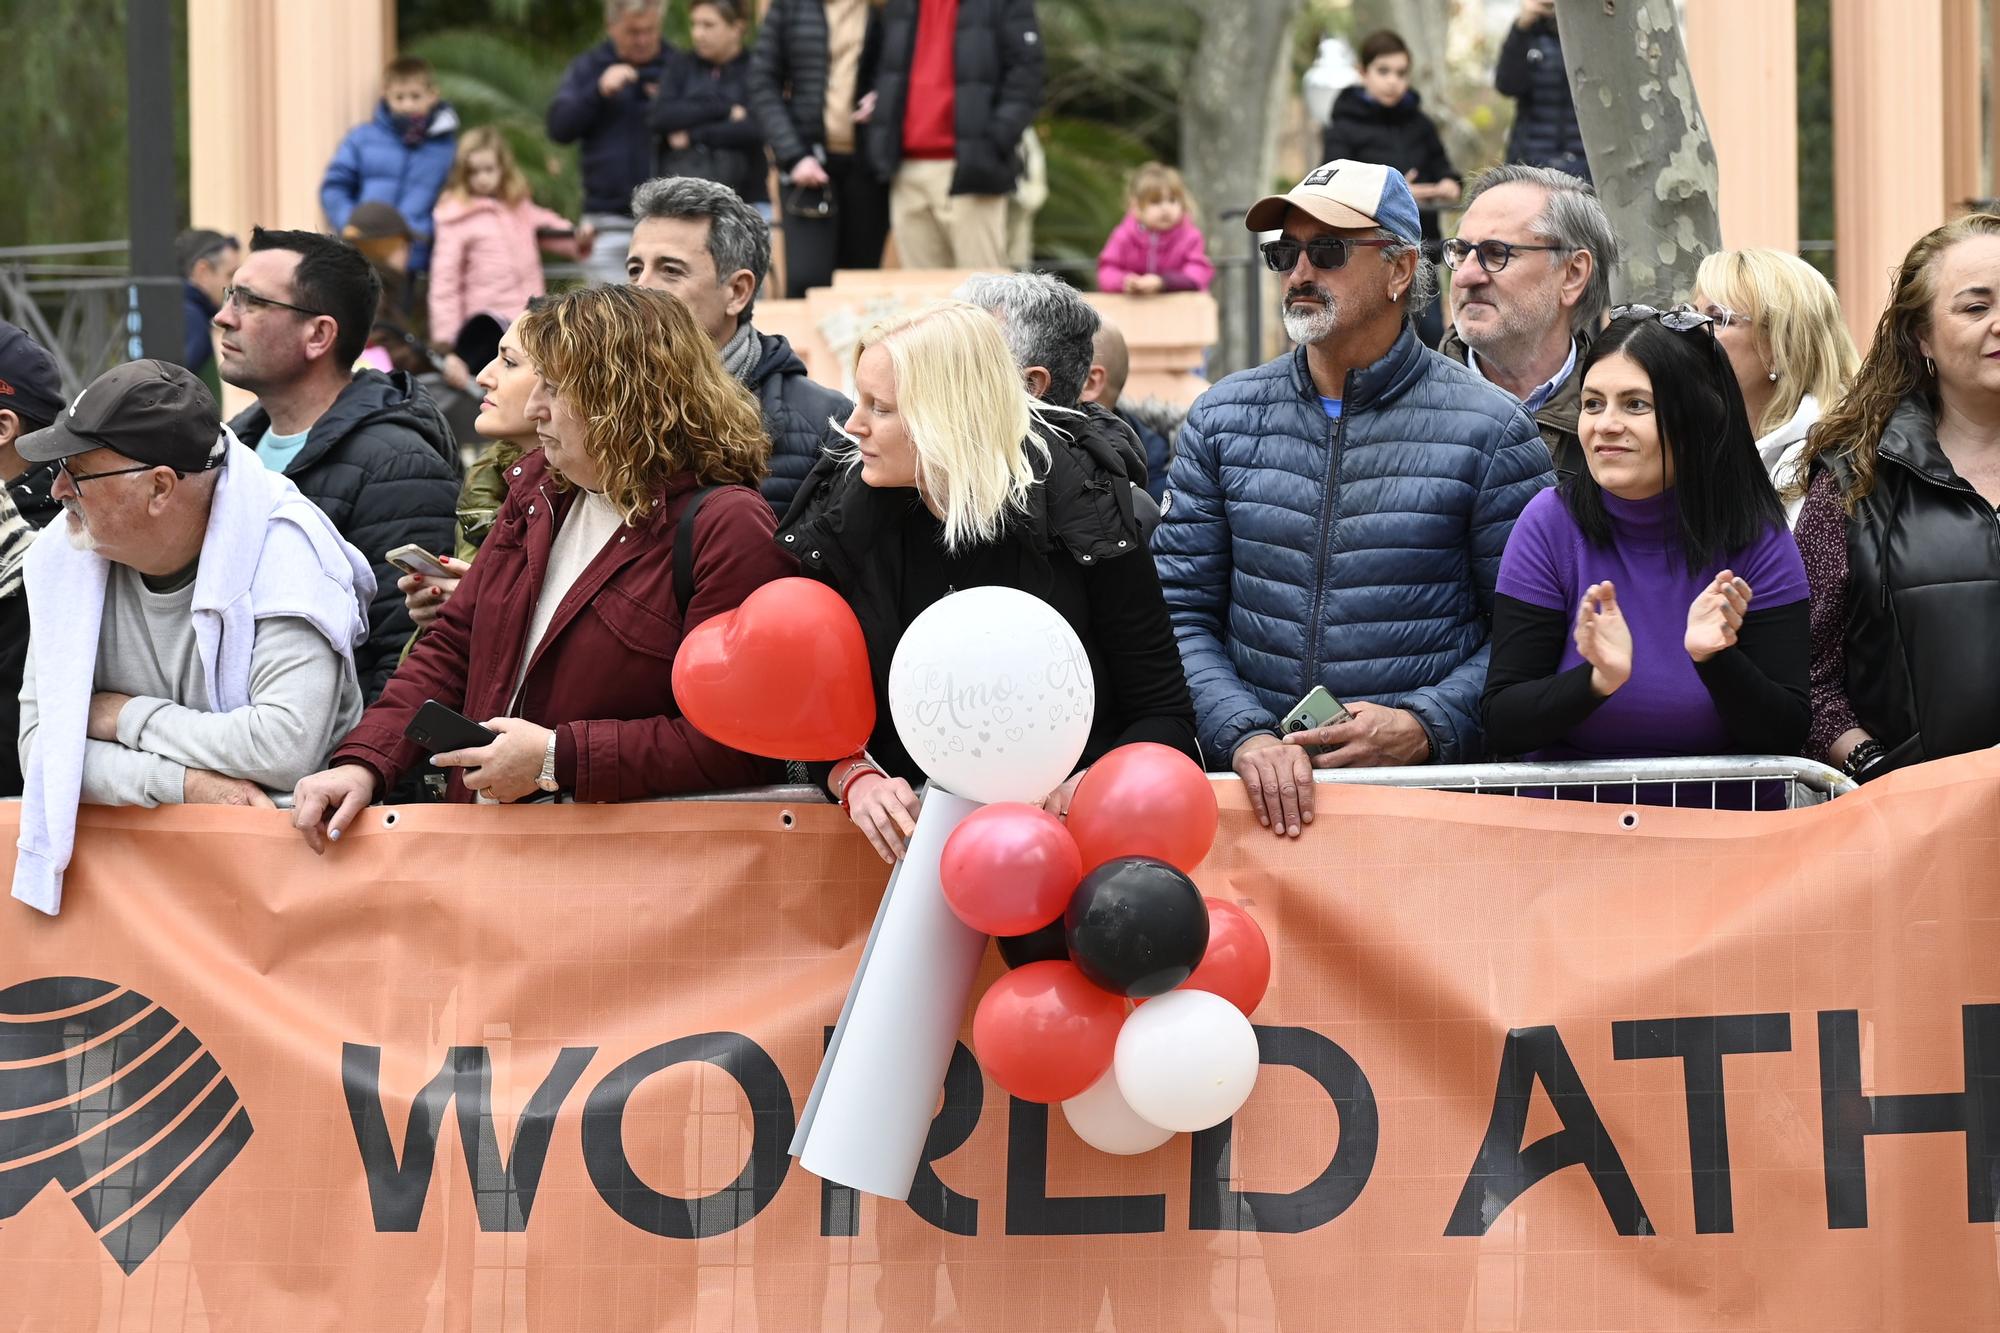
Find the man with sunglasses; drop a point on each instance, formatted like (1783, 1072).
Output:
(1335, 518)
(370, 449)
(194, 635)
(1530, 282)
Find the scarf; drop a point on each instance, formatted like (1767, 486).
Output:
(742, 352)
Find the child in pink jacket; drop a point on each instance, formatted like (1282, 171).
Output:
(489, 237)
(1157, 247)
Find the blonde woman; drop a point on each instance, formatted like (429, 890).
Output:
(1781, 324)
(958, 479)
(561, 637)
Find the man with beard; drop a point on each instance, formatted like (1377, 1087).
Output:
(1335, 517)
(1531, 280)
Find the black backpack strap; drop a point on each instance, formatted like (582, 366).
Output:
(684, 550)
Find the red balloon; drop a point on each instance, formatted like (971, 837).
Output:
(1237, 963)
(784, 675)
(1044, 1033)
(1009, 869)
(1144, 800)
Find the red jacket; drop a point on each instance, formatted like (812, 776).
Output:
(602, 676)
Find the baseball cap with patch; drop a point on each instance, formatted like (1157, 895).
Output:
(1345, 194)
(149, 411)
(30, 384)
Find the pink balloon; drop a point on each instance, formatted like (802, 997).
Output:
(1009, 869)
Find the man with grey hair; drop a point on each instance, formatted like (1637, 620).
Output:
(1335, 518)
(1052, 332)
(1531, 282)
(603, 104)
(698, 240)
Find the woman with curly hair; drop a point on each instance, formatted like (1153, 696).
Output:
(1899, 531)
(638, 519)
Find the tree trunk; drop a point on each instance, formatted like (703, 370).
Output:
(1422, 24)
(1230, 108)
(1650, 153)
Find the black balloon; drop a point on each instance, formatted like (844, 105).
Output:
(1136, 926)
(1050, 944)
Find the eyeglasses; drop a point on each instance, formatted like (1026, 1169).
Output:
(1492, 255)
(77, 479)
(1725, 317)
(246, 300)
(1680, 318)
(1282, 256)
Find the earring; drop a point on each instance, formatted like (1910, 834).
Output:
(1394, 297)
(1773, 377)
(1930, 366)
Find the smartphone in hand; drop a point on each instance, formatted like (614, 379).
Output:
(414, 559)
(1318, 709)
(441, 730)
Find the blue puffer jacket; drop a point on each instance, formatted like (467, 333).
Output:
(1357, 554)
(1531, 71)
(374, 164)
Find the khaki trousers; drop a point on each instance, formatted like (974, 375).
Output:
(935, 228)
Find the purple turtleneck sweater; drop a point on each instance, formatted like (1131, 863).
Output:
(1746, 699)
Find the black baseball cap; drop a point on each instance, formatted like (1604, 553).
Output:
(149, 411)
(30, 383)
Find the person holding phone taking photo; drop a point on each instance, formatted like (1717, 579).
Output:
(638, 519)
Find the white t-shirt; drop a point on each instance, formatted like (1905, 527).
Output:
(592, 523)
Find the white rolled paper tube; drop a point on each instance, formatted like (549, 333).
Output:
(872, 1104)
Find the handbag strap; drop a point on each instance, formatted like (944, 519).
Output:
(684, 550)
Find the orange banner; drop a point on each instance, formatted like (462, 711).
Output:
(1527, 1066)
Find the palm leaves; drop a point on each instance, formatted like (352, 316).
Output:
(501, 81)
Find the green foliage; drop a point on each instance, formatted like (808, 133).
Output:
(1815, 74)
(506, 82)
(1089, 164)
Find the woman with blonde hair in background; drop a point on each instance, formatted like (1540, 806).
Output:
(1781, 324)
(956, 479)
(561, 638)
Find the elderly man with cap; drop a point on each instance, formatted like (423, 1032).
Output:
(194, 621)
(1335, 517)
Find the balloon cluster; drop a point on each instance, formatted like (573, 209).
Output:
(1095, 915)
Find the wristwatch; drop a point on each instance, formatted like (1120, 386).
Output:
(547, 779)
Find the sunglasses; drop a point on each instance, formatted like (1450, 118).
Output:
(1282, 256)
(1679, 319)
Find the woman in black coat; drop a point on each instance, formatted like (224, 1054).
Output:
(918, 511)
(812, 88)
(702, 114)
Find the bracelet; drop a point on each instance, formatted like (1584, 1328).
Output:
(1864, 756)
(846, 770)
(854, 777)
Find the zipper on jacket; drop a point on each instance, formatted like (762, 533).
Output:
(1336, 432)
(1963, 487)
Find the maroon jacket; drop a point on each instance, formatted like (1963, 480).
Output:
(602, 676)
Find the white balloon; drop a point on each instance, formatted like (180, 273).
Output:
(1101, 1118)
(1186, 1060)
(992, 695)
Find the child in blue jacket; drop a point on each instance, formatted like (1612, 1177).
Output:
(401, 157)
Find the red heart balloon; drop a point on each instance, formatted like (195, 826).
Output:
(784, 675)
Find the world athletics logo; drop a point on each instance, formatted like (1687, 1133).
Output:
(112, 1097)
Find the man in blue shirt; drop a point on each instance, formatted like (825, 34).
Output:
(1335, 518)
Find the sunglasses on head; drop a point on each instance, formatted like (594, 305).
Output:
(1282, 255)
(1680, 318)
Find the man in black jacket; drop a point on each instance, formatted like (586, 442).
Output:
(1531, 71)
(951, 107)
(371, 450)
(603, 103)
(699, 241)
(30, 398)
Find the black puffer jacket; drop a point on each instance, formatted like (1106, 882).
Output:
(1361, 129)
(1080, 546)
(697, 97)
(997, 72)
(382, 465)
(796, 411)
(617, 151)
(1531, 71)
(1923, 601)
(788, 73)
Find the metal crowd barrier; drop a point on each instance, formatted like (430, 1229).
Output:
(1736, 782)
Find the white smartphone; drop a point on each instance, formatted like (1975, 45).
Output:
(414, 559)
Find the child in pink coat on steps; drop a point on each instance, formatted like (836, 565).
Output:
(490, 234)
(1157, 247)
